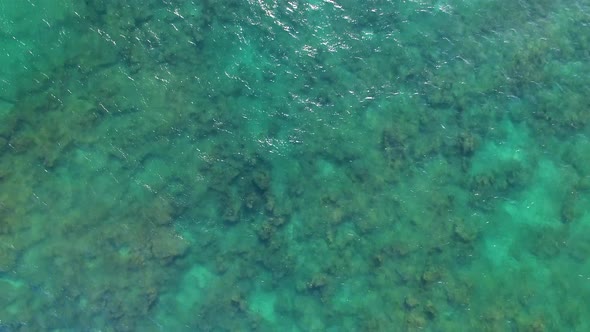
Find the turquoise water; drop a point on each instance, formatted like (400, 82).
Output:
(266, 165)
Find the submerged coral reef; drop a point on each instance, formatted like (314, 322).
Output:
(316, 167)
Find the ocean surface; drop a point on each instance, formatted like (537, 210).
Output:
(322, 165)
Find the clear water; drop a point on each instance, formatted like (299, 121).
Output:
(266, 165)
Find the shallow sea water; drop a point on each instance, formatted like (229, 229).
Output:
(264, 165)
